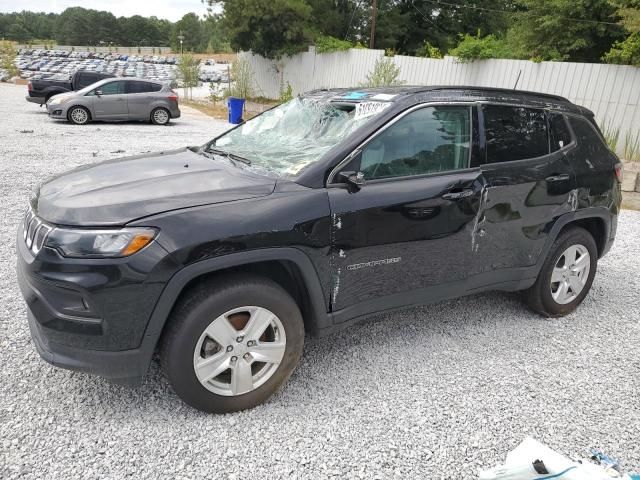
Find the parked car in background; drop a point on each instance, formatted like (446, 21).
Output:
(117, 100)
(40, 91)
(322, 211)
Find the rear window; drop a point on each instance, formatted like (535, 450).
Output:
(514, 133)
(560, 134)
(86, 79)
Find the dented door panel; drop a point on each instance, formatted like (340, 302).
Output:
(400, 235)
(521, 202)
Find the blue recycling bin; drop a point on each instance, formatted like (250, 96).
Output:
(236, 106)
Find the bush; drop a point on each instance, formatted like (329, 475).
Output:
(243, 85)
(7, 57)
(626, 52)
(428, 51)
(286, 94)
(327, 44)
(385, 73)
(632, 147)
(472, 48)
(611, 134)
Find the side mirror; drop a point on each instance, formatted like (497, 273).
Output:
(99, 93)
(355, 179)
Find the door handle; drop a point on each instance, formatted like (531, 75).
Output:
(467, 192)
(563, 177)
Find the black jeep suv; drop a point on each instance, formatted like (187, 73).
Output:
(320, 212)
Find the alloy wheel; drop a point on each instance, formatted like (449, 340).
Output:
(160, 116)
(79, 115)
(239, 351)
(570, 274)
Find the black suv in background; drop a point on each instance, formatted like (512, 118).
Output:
(318, 213)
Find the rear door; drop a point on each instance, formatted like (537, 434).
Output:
(406, 234)
(111, 104)
(140, 96)
(529, 184)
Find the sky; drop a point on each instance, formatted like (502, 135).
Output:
(170, 9)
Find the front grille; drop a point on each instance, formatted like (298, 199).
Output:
(34, 232)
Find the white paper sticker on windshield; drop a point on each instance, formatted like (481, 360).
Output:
(368, 109)
(385, 97)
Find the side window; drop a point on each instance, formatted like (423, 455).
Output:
(514, 133)
(136, 87)
(586, 135)
(84, 80)
(560, 134)
(154, 87)
(428, 140)
(111, 88)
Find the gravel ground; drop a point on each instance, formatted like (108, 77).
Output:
(434, 392)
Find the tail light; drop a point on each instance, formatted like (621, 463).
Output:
(173, 96)
(619, 169)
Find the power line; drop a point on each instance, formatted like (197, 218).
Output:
(496, 10)
(356, 5)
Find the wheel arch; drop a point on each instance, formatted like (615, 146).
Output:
(289, 267)
(596, 220)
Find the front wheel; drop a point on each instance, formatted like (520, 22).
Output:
(160, 116)
(79, 115)
(230, 345)
(566, 275)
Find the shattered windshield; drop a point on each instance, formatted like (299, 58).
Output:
(287, 138)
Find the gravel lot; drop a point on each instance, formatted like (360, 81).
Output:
(434, 392)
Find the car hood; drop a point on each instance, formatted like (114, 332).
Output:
(118, 191)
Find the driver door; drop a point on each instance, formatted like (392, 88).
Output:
(406, 234)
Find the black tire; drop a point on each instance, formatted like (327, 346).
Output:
(197, 309)
(160, 116)
(539, 296)
(75, 119)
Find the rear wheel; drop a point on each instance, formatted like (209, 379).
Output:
(160, 116)
(229, 346)
(79, 115)
(566, 275)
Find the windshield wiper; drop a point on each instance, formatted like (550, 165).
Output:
(230, 156)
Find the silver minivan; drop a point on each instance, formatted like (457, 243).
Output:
(117, 99)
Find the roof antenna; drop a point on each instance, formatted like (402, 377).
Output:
(517, 79)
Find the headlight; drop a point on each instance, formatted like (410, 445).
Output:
(56, 101)
(72, 242)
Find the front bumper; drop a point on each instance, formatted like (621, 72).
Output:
(58, 111)
(91, 315)
(126, 367)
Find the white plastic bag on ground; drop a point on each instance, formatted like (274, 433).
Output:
(520, 465)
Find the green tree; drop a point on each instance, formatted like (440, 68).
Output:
(563, 29)
(191, 27)
(188, 70)
(627, 52)
(271, 28)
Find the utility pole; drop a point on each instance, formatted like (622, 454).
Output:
(374, 13)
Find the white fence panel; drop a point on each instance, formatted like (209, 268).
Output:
(611, 91)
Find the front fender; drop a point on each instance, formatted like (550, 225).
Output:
(320, 318)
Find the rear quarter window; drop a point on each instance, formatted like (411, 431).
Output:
(587, 136)
(514, 133)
